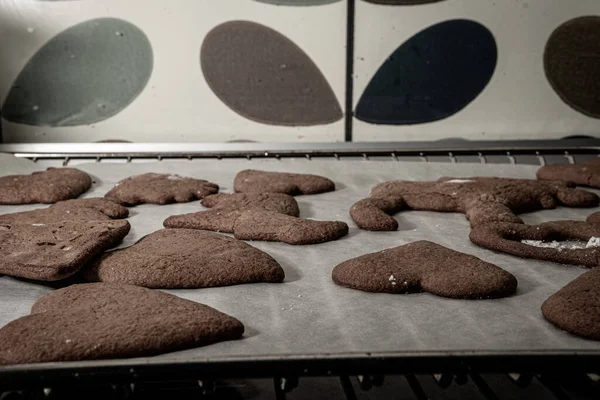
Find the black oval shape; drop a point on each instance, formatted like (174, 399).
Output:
(572, 64)
(433, 75)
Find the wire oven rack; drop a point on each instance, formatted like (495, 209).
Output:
(437, 376)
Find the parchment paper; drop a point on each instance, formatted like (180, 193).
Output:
(308, 314)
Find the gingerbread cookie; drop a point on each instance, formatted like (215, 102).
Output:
(272, 226)
(50, 186)
(54, 251)
(226, 208)
(594, 218)
(104, 321)
(253, 181)
(160, 189)
(185, 258)
(483, 200)
(583, 174)
(576, 307)
(425, 266)
(70, 210)
(565, 242)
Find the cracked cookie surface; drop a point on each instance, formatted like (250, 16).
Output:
(54, 251)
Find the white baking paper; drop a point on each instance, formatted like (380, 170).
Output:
(308, 315)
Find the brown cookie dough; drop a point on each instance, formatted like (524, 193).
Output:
(594, 218)
(70, 210)
(565, 242)
(583, 174)
(104, 321)
(226, 208)
(185, 258)
(425, 266)
(271, 226)
(253, 181)
(50, 186)
(160, 189)
(374, 214)
(54, 251)
(576, 307)
(483, 200)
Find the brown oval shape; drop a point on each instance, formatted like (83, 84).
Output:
(402, 2)
(572, 62)
(265, 77)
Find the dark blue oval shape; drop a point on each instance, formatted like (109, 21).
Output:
(432, 76)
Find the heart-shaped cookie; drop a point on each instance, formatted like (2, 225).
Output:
(185, 258)
(576, 307)
(425, 266)
(101, 321)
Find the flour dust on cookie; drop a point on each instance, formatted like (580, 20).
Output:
(564, 242)
(564, 245)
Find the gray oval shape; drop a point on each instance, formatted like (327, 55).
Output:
(85, 74)
(298, 2)
(265, 77)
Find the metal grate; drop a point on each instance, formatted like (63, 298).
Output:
(408, 386)
(519, 152)
(522, 158)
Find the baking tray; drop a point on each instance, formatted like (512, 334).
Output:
(308, 324)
